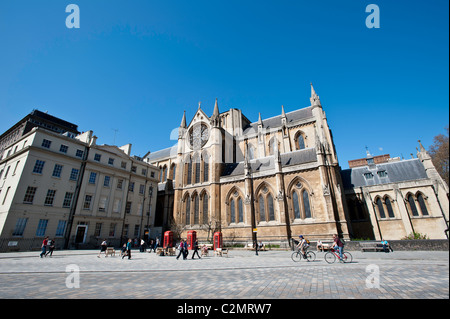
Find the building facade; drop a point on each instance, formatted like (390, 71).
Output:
(395, 198)
(277, 178)
(73, 190)
(271, 179)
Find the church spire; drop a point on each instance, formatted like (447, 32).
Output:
(215, 120)
(183, 120)
(283, 114)
(315, 100)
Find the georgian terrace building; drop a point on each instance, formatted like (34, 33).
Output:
(74, 191)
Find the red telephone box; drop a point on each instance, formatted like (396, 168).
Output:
(168, 239)
(191, 238)
(217, 240)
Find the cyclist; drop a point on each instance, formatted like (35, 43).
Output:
(302, 245)
(338, 245)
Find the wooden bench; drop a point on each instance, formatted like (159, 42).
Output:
(110, 251)
(373, 246)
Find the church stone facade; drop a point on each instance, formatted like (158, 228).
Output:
(272, 179)
(277, 178)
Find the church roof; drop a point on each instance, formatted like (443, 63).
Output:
(267, 163)
(162, 154)
(402, 171)
(275, 121)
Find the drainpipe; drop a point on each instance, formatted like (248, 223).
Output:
(75, 198)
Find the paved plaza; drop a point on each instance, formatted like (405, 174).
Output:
(75, 274)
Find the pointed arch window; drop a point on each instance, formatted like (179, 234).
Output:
(205, 168)
(266, 205)
(412, 205)
(189, 173)
(300, 202)
(240, 210)
(174, 171)
(205, 208)
(196, 168)
(270, 207)
(422, 205)
(251, 152)
(196, 210)
(306, 206)
(389, 209)
(296, 205)
(262, 211)
(188, 210)
(300, 142)
(164, 173)
(232, 211)
(272, 146)
(380, 208)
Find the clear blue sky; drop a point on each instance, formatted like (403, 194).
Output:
(134, 66)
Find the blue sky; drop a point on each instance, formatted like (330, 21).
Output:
(135, 66)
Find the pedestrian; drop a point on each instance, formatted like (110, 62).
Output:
(157, 244)
(196, 250)
(150, 245)
(51, 247)
(103, 247)
(129, 244)
(142, 247)
(123, 251)
(181, 249)
(186, 251)
(44, 247)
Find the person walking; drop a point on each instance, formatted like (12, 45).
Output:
(196, 250)
(103, 247)
(181, 249)
(142, 247)
(185, 250)
(255, 245)
(129, 244)
(157, 244)
(51, 247)
(150, 245)
(44, 247)
(123, 250)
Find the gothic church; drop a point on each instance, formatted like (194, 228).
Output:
(271, 179)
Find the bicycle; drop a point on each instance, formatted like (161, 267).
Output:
(298, 255)
(330, 256)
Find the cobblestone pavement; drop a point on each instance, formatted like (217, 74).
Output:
(242, 275)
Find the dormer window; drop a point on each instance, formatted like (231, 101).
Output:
(382, 173)
(368, 175)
